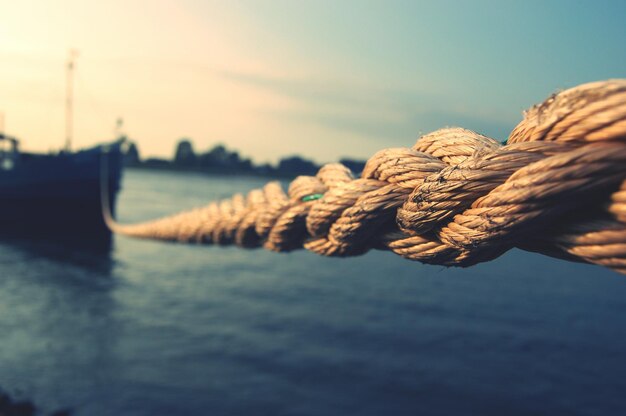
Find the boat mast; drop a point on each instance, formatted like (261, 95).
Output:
(69, 90)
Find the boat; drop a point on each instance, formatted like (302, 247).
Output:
(59, 195)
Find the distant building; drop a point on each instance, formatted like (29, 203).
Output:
(217, 157)
(184, 155)
(265, 169)
(131, 156)
(296, 165)
(154, 162)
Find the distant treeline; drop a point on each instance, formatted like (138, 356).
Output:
(222, 160)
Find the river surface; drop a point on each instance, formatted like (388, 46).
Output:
(165, 329)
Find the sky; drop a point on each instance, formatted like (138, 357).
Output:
(323, 79)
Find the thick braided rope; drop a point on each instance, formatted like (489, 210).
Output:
(455, 198)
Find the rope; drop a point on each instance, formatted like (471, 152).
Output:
(456, 198)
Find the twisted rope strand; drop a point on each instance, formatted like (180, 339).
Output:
(456, 198)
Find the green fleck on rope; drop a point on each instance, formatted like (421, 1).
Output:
(312, 197)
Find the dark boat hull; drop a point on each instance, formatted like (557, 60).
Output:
(58, 197)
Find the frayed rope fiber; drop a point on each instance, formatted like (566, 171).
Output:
(455, 198)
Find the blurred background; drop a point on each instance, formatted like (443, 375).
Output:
(217, 97)
(323, 79)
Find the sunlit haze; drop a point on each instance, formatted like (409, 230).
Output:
(322, 79)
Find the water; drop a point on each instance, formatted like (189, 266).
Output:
(166, 329)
